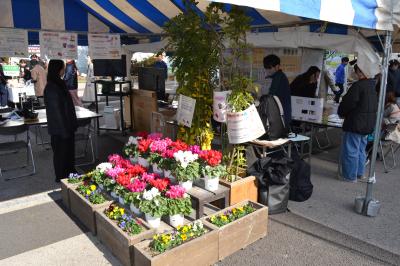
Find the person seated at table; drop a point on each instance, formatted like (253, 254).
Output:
(305, 85)
(391, 115)
(358, 108)
(61, 120)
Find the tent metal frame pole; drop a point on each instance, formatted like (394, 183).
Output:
(377, 133)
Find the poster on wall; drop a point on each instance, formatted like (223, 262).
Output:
(185, 111)
(104, 46)
(244, 126)
(58, 45)
(13, 43)
(220, 105)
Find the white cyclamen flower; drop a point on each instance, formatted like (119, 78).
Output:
(150, 194)
(132, 140)
(103, 167)
(185, 158)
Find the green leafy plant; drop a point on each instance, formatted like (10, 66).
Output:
(179, 206)
(196, 44)
(183, 234)
(155, 207)
(120, 190)
(231, 215)
(188, 173)
(236, 163)
(98, 177)
(109, 184)
(132, 197)
(214, 171)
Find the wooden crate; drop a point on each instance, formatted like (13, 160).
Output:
(200, 251)
(84, 210)
(242, 232)
(242, 189)
(118, 241)
(144, 104)
(65, 187)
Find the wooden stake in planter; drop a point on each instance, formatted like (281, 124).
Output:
(242, 232)
(197, 252)
(65, 191)
(118, 241)
(84, 210)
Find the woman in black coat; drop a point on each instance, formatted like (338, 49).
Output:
(61, 120)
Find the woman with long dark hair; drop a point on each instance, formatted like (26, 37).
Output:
(61, 120)
(305, 85)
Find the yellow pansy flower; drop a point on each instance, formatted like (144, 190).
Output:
(185, 229)
(184, 237)
(122, 211)
(88, 192)
(92, 187)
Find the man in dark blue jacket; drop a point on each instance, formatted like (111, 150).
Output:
(340, 78)
(280, 85)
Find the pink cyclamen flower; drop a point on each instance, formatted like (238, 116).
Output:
(158, 146)
(115, 159)
(114, 172)
(154, 136)
(137, 186)
(146, 177)
(195, 149)
(175, 192)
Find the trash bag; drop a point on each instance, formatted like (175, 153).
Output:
(273, 176)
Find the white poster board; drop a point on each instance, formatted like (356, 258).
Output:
(307, 109)
(58, 45)
(185, 111)
(244, 126)
(104, 46)
(13, 43)
(220, 105)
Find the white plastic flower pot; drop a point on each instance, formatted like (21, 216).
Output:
(135, 210)
(176, 220)
(187, 185)
(157, 170)
(154, 222)
(143, 162)
(134, 160)
(114, 195)
(211, 184)
(121, 200)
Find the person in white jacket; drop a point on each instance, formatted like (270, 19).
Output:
(88, 93)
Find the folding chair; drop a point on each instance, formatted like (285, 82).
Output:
(84, 134)
(392, 150)
(10, 147)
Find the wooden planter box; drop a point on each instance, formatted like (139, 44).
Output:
(65, 188)
(84, 210)
(118, 241)
(242, 232)
(200, 251)
(242, 189)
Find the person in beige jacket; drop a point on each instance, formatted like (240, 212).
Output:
(39, 78)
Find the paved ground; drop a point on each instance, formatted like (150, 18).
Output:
(35, 229)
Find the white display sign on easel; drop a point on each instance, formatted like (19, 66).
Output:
(307, 109)
(244, 126)
(220, 105)
(185, 111)
(13, 43)
(58, 45)
(104, 46)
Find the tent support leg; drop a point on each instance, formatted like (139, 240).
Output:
(371, 206)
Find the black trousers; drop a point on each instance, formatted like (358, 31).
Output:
(63, 155)
(338, 93)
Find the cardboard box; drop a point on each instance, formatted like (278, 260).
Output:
(144, 104)
(307, 109)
